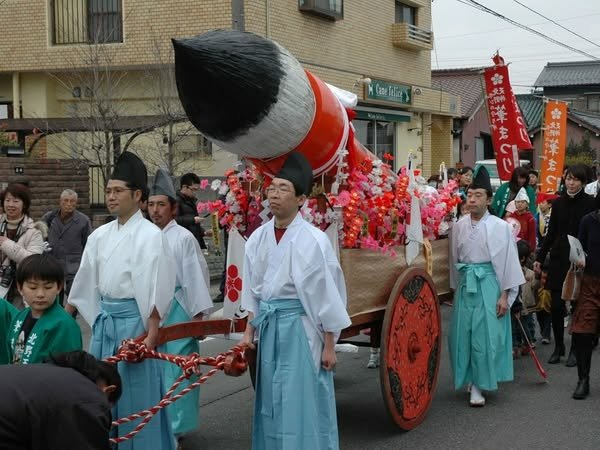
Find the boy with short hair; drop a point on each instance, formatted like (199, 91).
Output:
(44, 327)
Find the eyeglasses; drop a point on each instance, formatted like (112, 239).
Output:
(280, 190)
(116, 191)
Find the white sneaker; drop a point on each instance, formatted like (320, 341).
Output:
(373, 361)
(477, 399)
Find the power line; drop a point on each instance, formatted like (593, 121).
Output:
(556, 23)
(479, 6)
(452, 36)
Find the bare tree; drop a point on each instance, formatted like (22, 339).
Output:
(97, 104)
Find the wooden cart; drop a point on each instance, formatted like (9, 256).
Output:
(400, 305)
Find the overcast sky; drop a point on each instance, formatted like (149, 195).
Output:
(467, 37)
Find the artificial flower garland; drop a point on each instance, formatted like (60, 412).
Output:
(371, 208)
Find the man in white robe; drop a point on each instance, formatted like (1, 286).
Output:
(295, 294)
(123, 289)
(486, 274)
(191, 298)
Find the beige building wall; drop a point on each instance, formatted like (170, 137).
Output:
(340, 52)
(441, 143)
(360, 44)
(25, 47)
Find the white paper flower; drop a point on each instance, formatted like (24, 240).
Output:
(376, 191)
(224, 189)
(215, 185)
(497, 79)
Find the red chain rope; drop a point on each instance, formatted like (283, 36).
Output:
(135, 352)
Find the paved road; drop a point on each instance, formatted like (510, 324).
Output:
(523, 414)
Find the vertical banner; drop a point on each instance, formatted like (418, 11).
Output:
(236, 249)
(507, 127)
(554, 145)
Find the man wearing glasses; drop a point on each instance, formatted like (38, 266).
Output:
(295, 294)
(123, 289)
(187, 215)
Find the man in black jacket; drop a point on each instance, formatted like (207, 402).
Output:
(586, 318)
(187, 215)
(58, 406)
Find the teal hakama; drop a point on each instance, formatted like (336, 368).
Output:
(480, 343)
(184, 412)
(295, 402)
(142, 382)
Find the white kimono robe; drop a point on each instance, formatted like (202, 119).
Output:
(491, 240)
(192, 271)
(303, 266)
(125, 261)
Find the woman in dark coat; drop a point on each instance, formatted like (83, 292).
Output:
(567, 212)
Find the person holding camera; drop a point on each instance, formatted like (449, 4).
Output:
(20, 237)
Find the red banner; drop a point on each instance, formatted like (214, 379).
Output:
(555, 144)
(509, 133)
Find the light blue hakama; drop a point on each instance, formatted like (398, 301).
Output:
(184, 412)
(295, 402)
(480, 343)
(120, 319)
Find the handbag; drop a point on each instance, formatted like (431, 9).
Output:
(572, 285)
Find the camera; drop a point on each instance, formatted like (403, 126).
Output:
(7, 274)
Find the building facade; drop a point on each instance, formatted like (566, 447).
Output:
(94, 77)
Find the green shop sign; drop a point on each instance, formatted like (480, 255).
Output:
(389, 92)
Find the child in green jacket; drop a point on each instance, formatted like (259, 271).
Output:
(44, 327)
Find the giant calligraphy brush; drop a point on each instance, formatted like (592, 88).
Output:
(252, 97)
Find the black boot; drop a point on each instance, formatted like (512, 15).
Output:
(559, 351)
(583, 389)
(571, 359)
(582, 346)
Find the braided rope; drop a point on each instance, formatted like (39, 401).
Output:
(134, 352)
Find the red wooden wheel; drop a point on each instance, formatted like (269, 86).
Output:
(411, 340)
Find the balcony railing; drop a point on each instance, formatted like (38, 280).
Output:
(411, 37)
(86, 21)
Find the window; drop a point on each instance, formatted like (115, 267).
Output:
(105, 21)
(6, 111)
(330, 9)
(406, 14)
(376, 135)
(86, 21)
(593, 103)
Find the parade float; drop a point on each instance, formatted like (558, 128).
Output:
(251, 97)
